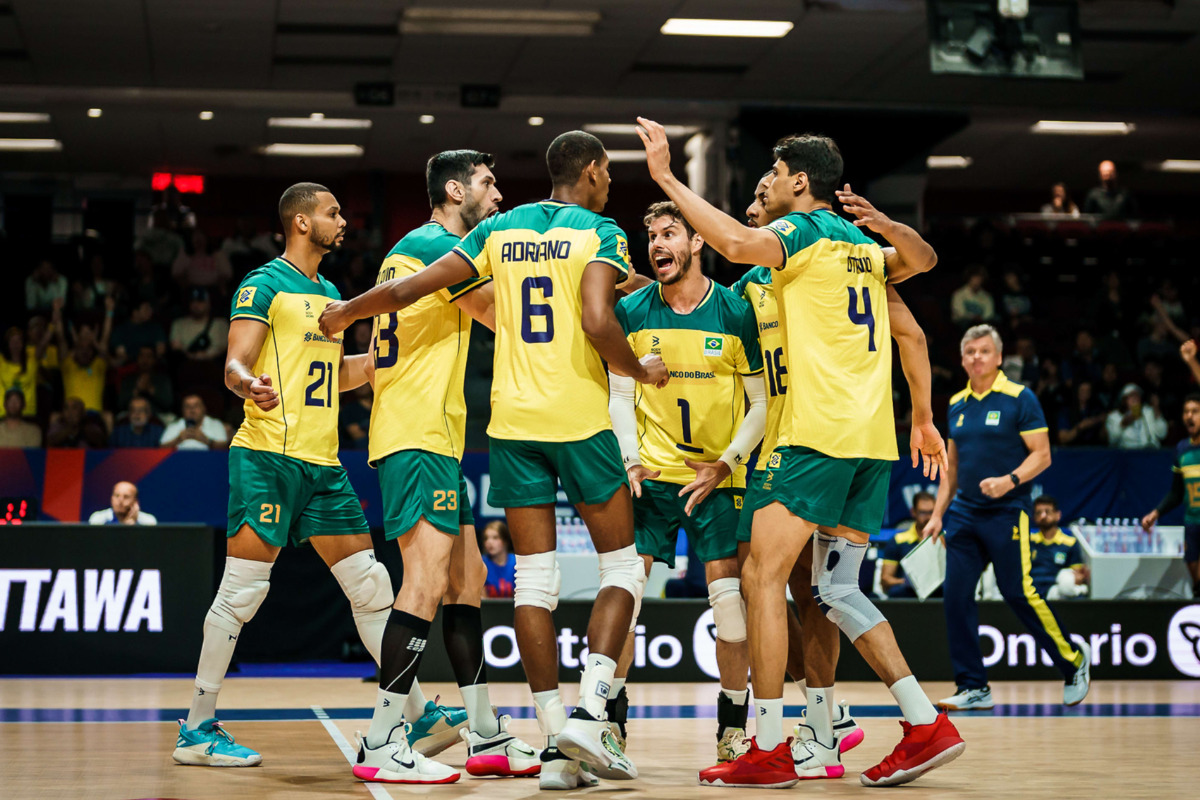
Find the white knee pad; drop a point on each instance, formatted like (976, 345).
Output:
(729, 609)
(836, 564)
(538, 581)
(243, 588)
(624, 569)
(365, 581)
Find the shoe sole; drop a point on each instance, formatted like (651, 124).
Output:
(718, 783)
(820, 773)
(970, 707)
(429, 746)
(190, 758)
(499, 767)
(851, 740)
(600, 761)
(908, 775)
(371, 775)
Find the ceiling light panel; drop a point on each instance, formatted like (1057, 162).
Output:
(22, 117)
(621, 129)
(735, 28)
(313, 150)
(319, 121)
(31, 145)
(1084, 128)
(497, 22)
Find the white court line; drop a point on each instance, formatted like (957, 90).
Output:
(377, 791)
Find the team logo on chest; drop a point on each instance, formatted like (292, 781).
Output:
(960, 421)
(713, 345)
(993, 418)
(308, 309)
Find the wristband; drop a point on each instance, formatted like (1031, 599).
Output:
(1016, 481)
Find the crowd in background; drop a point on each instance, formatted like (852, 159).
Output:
(126, 349)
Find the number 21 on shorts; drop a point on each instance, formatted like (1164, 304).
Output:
(270, 513)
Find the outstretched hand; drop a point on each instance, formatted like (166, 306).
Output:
(709, 475)
(637, 473)
(866, 215)
(658, 149)
(928, 450)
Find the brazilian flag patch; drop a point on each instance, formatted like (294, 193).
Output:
(246, 297)
(713, 345)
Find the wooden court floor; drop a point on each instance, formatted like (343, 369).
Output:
(1130, 739)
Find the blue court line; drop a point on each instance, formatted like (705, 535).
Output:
(9, 715)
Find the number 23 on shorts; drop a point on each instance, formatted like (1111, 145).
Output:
(445, 501)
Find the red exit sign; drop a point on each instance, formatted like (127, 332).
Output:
(184, 184)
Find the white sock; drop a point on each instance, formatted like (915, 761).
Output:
(551, 714)
(479, 710)
(738, 698)
(914, 705)
(803, 686)
(769, 723)
(596, 686)
(414, 707)
(617, 685)
(389, 712)
(220, 638)
(820, 714)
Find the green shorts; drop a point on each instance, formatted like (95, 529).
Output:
(754, 492)
(416, 484)
(711, 529)
(526, 473)
(285, 499)
(825, 490)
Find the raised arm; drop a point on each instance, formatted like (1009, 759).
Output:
(730, 238)
(908, 255)
(246, 337)
(925, 440)
(604, 332)
(395, 294)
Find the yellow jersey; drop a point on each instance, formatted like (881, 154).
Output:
(23, 377)
(549, 383)
(755, 287)
(302, 363)
(833, 311)
(86, 382)
(707, 351)
(421, 357)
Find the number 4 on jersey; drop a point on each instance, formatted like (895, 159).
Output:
(865, 317)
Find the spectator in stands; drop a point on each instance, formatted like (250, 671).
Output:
(200, 336)
(171, 211)
(1160, 395)
(1157, 344)
(1187, 352)
(75, 427)
(971, 304)
(15, 431)
(1109, 388)
(195, 430)
(1060, 201)
(140, 331)
(125, 509)
(892, 577)
(1056, 559)
(1081, 423)
(1110, 199)
(139, 428)
(160, 241)
(1135, 425)
(39, 338)
(498, 556)
(1083, 363)
(1024, 364)
(355, 418)
(199, 266)
(1018, 309)
(1109, 310)
(85, 364)
(1050, 391)
(145, 284)
(44, 286)
(20, 366)
(90, 294)
(149, 383)
(1165, 302)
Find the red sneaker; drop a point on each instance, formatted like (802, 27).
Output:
(922, 748)
(759, 769)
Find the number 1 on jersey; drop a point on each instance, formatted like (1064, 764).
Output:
(685, 416)
(865, 317)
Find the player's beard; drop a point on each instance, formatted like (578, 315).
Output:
(684, 264)
(473, 211)
(329, 242)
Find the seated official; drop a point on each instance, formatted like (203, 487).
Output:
(892, 577)
(124, 509)
(1056, 558)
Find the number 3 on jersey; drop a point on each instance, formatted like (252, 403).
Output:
(866, 317)
(530, 309)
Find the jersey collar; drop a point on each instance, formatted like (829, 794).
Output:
(1058, 538)
(299, 271)
(1001, 381)
(712, 287)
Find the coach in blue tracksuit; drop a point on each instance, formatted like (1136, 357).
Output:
(998, 445)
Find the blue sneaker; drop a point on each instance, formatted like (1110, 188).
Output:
(437, 728)
(210, 746)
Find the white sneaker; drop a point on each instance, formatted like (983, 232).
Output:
(585, 738)
(560, 773)
(1077, 688)
(813, 759)
(733, 744)
(395, 762)
(502, 755)
(846, 732)
(968, 700)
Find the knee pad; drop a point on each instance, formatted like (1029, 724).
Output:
(729, 609)
(365, 581)
(243, 588)
(836, 564)
(538, 581)
(624, 569)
